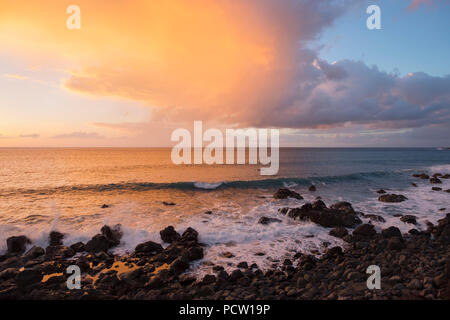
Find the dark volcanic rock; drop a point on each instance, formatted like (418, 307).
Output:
(395, 243)
(149, 247)
(28, 277)
(189, 235)
(340, 214)
(78, 247)
(409, 219)
(364, 231)
(284, 193)
(391, 232)
(55, 238)
(436, 189)
(33, 253)
(17, 244)
(421, 176)
(319, 205)
(435, 180)
(381, 191)
(169, 235)
(375, 217)
(52, 252)
(392, 198)
(105, 206)
(98, 243)
(266, 220)
(179, 266)
(166, 203)
(338, 232)
(113, 234)
(312, 188)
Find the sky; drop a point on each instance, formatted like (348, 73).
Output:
(137, 70)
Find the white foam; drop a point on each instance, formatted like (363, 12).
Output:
(206, 185)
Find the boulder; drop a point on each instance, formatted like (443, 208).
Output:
(28, 277)
(169, 235)
(375, 217)
(52, 252)
(312, 188)
(55, 238)
(395, 243)
(391, 232)
(149, 247)
(318, 205)
(78, 247)
(409, 219)
(33, 253)
(338, 232)
(266, 220)
(381, 191)
(435, 180)
(421, 176)
(179, 266)
(436, 189)
(392, 198)
(341, 214)
(98, 243)
(364, 231)
(17, 244)
(113, 234)
(189, 235)
(284, 193)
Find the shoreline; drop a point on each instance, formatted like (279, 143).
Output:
(413, 266)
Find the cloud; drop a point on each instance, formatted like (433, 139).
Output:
(34, 136)
(15, 76)
(78, 135)
(244, 63)
(416, 3)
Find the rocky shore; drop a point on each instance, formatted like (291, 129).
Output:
(415, 265)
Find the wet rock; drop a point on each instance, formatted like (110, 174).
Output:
(436, 189)
(208, 279)
(312, 188)
(381, 191)
(364, 231)
(284, 193)
(190, 235)
(28, 277)
(52, 252)
(392, 198)
(179, 266)
(209, 212)
(343, 206)
(149, 247)
(113, 234)
(55, 238)
(335, 251)
(318, 205)
(227, 254)
(266, 220)
(104, 206)
(78, 247)
(17, 244)
(8, 273)
(340, 214)
(409, 219)
(421, 176)
(391, 232)
(414, 184)
(166, 203)
(236, 275)
(375, 217)
(33, 253)
(98, 243)
(435, 180)
(395, 243)
(338, 232)
(169, 235)
(195, 253)
(448, 190)
(242, 265)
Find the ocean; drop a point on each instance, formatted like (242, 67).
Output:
(64, 189)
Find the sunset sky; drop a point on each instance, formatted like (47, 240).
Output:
(136, 70)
